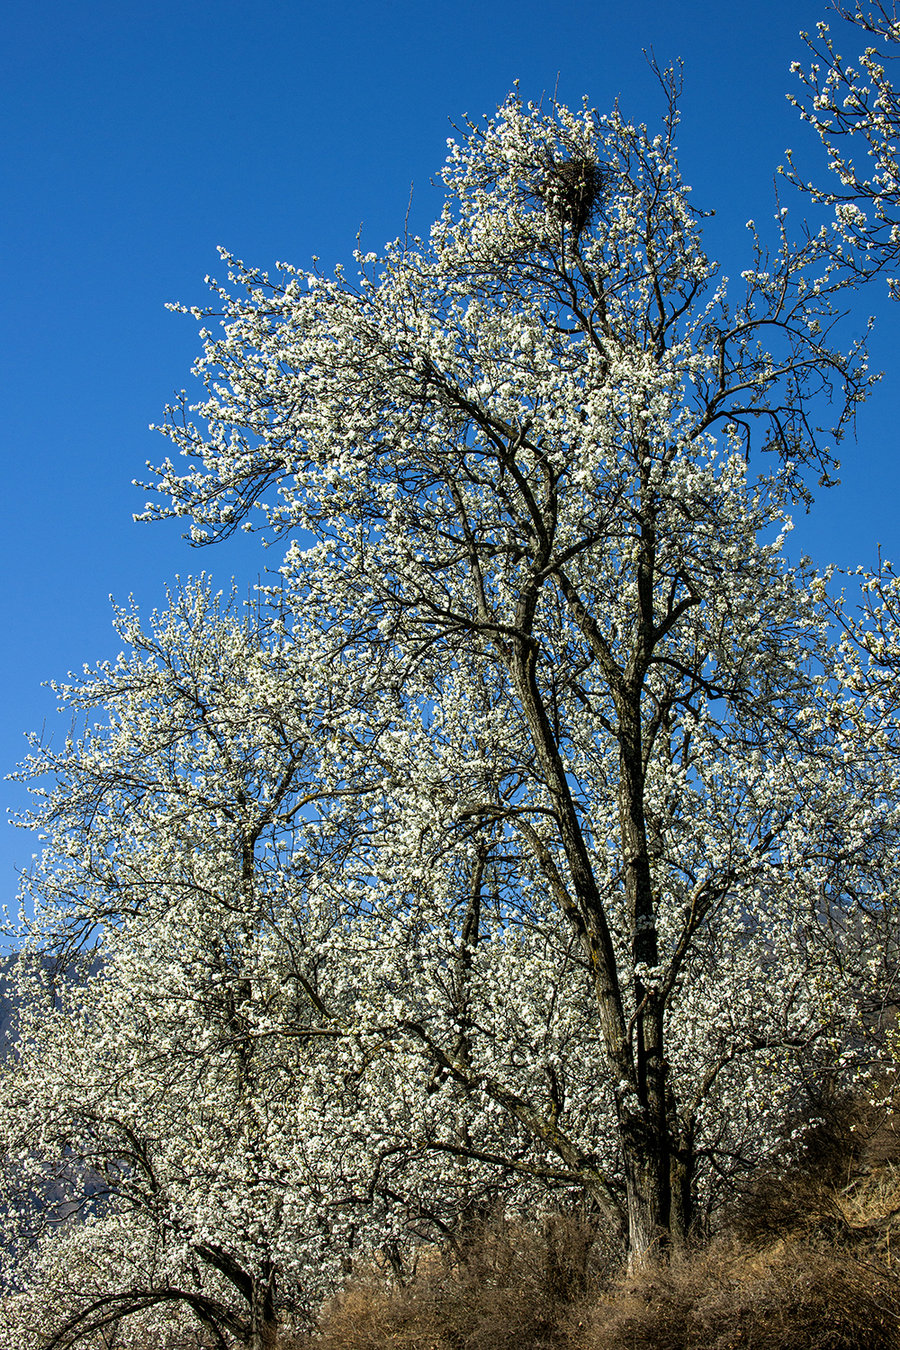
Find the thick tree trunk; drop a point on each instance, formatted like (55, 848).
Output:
(263, 1322)
(646, 1139)
(260, 1331)
(660, 1168)
(647, 1159)
(635, 1050)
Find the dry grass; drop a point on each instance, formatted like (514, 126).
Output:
(790, 1297)
(844, 1190)
(513, 1290)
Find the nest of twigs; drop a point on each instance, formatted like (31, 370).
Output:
(571, 191)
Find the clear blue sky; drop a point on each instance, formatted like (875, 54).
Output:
(137, 137)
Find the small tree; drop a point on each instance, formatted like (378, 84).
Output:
(182, 1139)
(514, 461)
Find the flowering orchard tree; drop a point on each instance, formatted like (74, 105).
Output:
(499, 861)
(855, 109)
(190, 1161)
(520, 470)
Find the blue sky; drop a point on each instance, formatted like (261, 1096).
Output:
(136, 138)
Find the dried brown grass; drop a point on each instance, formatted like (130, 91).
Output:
(844, 1189)
(511, 1289)
(790, 1297)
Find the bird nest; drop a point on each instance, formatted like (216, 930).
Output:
(571, 191)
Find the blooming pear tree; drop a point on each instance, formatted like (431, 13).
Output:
(287, 1030)
(191, 1160)
(531, 474)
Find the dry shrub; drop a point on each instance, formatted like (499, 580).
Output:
(844, 1190)
(791, 1297)
(512, 1289)
(798, 1206)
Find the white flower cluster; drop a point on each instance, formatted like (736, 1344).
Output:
(855, 110)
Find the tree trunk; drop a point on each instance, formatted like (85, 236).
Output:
(682, 1169)
(647, 1158)
(263, 1321)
